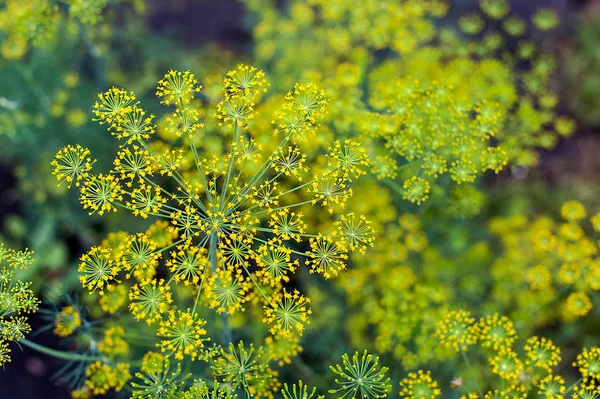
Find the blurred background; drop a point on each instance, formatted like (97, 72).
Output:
(46, 95)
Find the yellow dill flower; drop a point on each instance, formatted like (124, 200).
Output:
(227, 290)
(578, 304)
(596, 221)
(588, 362)
(361, 375)
(419, 385)
(114, 298)
(573, 211)
(539, 278)
(290, 161)
(182, 333)
(471, 24)
(100, 192)
(19, 259)
(101, 377)
(67, 321)
(177, 87)
(587, 388)
(496, 331)
(150, 300)
(541, 352)
(138, 257)
(72, 164)
(457, 330)
(240, 367)
(355, 232)
(326, 256)
(160, 233)
(305, 105)
(552, 387)
(113, 343)
(569, 273)
(287, 313)
(112, 105)
(506, 364)
(282, 348)
(152, 362)
(231, 227)
(97, 269)
(571, 231)
(349, 157)
(188, 263)
(416, 189)
(276, 262)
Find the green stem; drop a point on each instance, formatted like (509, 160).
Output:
(212, 254)
(60, 354)
(466, 359)
(569, 389)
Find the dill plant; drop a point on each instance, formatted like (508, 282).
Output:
(435, 108)
(238, 201)
(230, 229)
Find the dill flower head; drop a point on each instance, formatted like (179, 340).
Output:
(102, 377)
(588, 362)
(416, 189)
(541, 352)
(182, 333)
(71, 164)
(506, 364)
(419, 385)
(578, 304)
(177, 87)
(457, 330)
(97, 269)
(150, 300)
(573, 211)
(159, 383)
(361, 376)
(67, 321)
(552, 387)
(586, 389)
(240, 367)
(113, 343)
(230, 219)
(496, 331)
(288, 313)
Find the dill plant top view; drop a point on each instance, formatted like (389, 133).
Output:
(384, 198)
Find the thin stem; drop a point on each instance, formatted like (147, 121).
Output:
(212, 254)
(229, 168)
(569, 389)
(59, 354)
(466, 359)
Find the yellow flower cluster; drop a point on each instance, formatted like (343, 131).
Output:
(469, 107)
(522, 373)
(228, 230)
(67, 321)
(552, 265)
(17, 299)
(30, 23)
